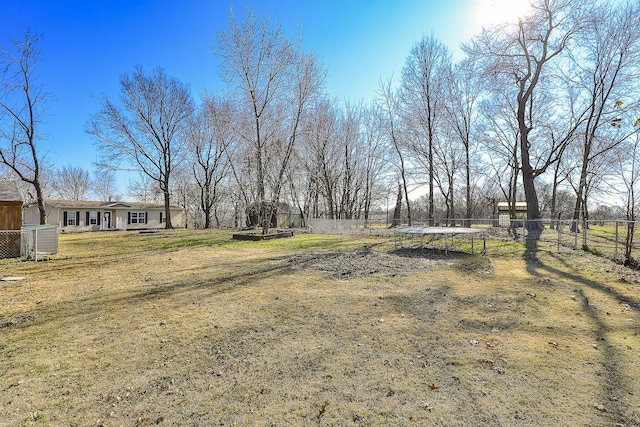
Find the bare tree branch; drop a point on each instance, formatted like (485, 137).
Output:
(22, 102)
(148, 130)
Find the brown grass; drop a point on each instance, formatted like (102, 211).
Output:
(192, 328)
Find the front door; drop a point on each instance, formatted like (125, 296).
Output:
(107, 220)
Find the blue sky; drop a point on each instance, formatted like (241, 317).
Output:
(88, 45)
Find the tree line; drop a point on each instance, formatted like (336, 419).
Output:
(545, 109)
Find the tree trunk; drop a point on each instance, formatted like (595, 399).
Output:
(554, 195)
(631, 221)
(431, 181)
(579, 210)
(206, 206)
(469, 211)
(533, 226)
(40, 200)
(628, 258)
(406, 197)
(167, 211)
(397, 211)
(452, 213)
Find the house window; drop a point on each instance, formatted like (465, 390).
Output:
(161, 217)
(71, 218)
(93, 218)
(138, 217)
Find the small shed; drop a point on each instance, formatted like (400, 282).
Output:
(283, 216)
(10, 219)
(504, 212)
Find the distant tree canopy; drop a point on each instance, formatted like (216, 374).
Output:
(544, 109)
(536, 110)
(71, 183)
(274, 83)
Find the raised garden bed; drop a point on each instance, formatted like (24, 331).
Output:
(259, 236)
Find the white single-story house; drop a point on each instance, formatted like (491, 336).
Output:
(82, 215)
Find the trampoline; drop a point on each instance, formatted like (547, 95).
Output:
(433, 233)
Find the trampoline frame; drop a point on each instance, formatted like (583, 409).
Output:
(439, 232)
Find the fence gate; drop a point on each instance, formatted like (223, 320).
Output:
(38, 240)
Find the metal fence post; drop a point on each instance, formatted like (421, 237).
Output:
(559, 229)
(615, 254)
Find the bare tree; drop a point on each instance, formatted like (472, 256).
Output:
(342, 155)
(349, 135)
(604, 70)
(463, 93)
(629, 169)
(375, 156)
(144, 189)
(210, 139)
(147, 131)
(449, 154)
(103, 184)
(184, 193)
(521, 57)
(389, 99)
(498, 134)
(320, 153)
(397, 210)
(22, 102)
(275, 84)
(561, 173)
(423, 98)
(71, 183)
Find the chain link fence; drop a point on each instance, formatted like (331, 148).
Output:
(347, 226)
(607, 238)
(10, 243)
(604, 237)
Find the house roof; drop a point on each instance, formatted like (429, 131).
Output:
(91, 204)
(9, 191)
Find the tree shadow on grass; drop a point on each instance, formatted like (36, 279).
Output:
(66, 312)
(615, 383)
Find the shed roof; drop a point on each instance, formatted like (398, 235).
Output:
(516, 205)
(9, 191)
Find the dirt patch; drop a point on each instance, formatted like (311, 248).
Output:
(364, 263)
(5, 323)
(399, 262)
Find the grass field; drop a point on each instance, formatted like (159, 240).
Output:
(191, 328)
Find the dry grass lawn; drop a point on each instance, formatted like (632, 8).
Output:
(193, 329)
